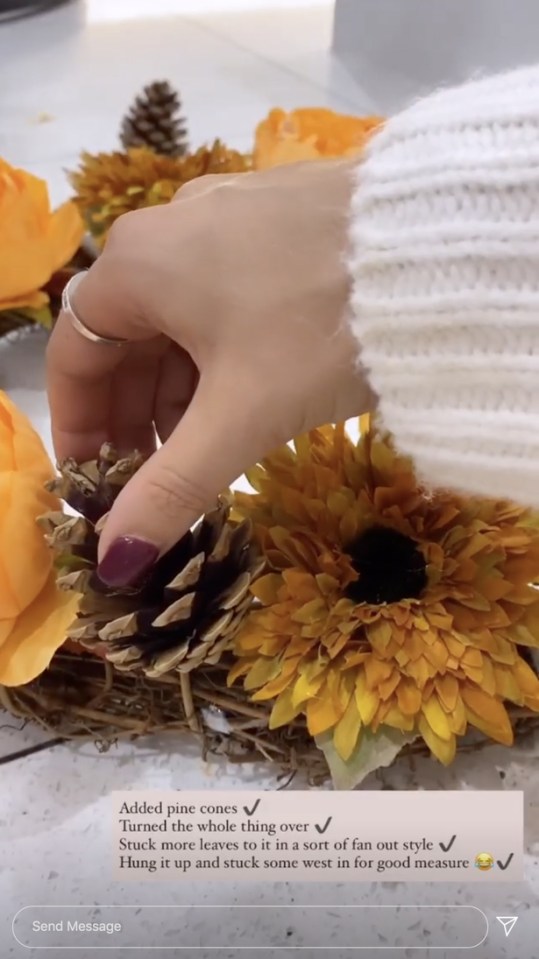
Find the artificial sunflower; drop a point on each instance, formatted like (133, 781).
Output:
(108, 185)
(387, 608)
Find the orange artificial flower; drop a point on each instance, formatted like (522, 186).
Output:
(309, 134)
(34, 614)
(34, 241)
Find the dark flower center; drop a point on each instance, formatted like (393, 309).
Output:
(389, 565)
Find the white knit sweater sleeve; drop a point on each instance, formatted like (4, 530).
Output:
(445, 269)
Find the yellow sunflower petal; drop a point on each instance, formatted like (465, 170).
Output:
(443, 749)
(314, 610)
(487, 714)
(388, 687)
(322, 714)
(457, 718)
(507, 684)
(284, 710)
(379, 634)
(266, 589)
(305, 688)
(347, 730)
(275, 686)
(367, 700)
(528, 679)
(262, 671)
(437, 718)
(447, 688)
(395, 718)
(240, 668)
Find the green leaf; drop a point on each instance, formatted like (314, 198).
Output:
(374, 751)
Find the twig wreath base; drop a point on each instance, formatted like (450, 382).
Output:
(84, 697)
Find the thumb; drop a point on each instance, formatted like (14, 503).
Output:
(175, 486)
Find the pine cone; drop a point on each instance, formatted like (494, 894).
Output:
(190, 605)
(154, 121)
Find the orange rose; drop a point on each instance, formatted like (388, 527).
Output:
(34, 241)
(34, 614)
(309, 134)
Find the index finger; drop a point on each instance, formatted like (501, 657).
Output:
(80, 372)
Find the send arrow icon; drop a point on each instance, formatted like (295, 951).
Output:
(507, 922)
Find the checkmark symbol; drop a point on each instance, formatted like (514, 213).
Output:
(251, 812)
(322, 829)
(503, 865)
(446, 848)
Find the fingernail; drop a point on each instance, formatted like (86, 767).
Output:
(126, 561)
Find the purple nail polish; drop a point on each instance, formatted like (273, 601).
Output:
(126, 561)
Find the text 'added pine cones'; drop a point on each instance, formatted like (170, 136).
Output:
(190, 605)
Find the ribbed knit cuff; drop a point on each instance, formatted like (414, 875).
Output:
(445, 266)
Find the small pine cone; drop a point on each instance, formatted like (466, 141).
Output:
(191, 604)
(154, 121)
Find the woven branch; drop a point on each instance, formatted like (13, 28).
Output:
(83, 697)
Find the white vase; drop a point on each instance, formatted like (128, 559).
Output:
(397, 50)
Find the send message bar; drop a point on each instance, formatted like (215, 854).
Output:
(253, 927)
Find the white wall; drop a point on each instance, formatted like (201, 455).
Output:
(397, 49)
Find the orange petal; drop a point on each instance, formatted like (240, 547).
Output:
(25, 559)
(408, 698)
(6, 627)
(34, 300)
(37, 635)
(21, 448)
(66, 230)
(376, 671)
(23, 227)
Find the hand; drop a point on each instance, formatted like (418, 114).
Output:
(234, 300)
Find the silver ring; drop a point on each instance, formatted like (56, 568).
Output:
(76, 320)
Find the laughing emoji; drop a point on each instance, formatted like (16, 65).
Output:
(484, 861)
